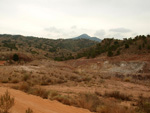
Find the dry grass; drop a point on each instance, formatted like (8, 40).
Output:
(118, 95)
(40, 92)
(88, 101)
(24, 87)
(64, 99)
(143, 105)
(114, 109)
(36, 79)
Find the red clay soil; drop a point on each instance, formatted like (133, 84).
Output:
(24, 101)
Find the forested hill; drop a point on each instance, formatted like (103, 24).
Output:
(65, 49)
(61, 49)
(112, 47)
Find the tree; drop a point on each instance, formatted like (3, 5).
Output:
(126, 46)
(148, 47)
(110, 54)
(140, 47)
(6, 102)
(118, 52)
(148, 36)
(15, 57)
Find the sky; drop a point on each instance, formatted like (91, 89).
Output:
(70, 18)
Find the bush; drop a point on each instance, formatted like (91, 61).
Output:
(118, 95)
(118, 52)
(126, 46)
(63, 99)
(15, 57)
(6, 102)
(24, 87)
(144, 105)
(114, 109)
(148, 47)
(53, 94)
(140, 47)
(25, 77)
(110, 54)
(127, 79)
(15, 80)
(40, 92)
(5, 81)
(88, 101)
(29, 110)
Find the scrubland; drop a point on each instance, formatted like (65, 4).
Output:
(102, 85)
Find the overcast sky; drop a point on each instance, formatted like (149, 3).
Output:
(70, 18)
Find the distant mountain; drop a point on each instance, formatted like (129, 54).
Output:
(85, 36)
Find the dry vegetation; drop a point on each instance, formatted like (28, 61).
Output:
(29, 110)
(6, 102)
(77, 86)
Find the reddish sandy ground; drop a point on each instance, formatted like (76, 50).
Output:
(24, 101)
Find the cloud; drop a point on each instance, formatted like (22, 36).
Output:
(54, 32)
(116, 35)
(100, 33)
(74, 27)
(120, 30)
(53, 29)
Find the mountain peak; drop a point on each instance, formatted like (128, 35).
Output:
(86, 36)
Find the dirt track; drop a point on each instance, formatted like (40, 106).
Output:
(37, 104)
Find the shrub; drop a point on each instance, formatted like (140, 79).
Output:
(127, 79)
(144, 105)
(40, 92)
(53, 94)
(140, 47)
(63, 99)
(126, 46)
(118, 95)
(25, 77)
(44, 82)
(118, 52)
(29, 110)
(15, 57)
(114, 109)
(24, 87)
(5, 81)
(6, 102)
(110, 54)
(148, 47)
(15, 80)
(88, 101)
(98, 93)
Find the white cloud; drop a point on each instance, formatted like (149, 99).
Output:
(100, 33)
(120, 30)
(54, 29)
(74, 27)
